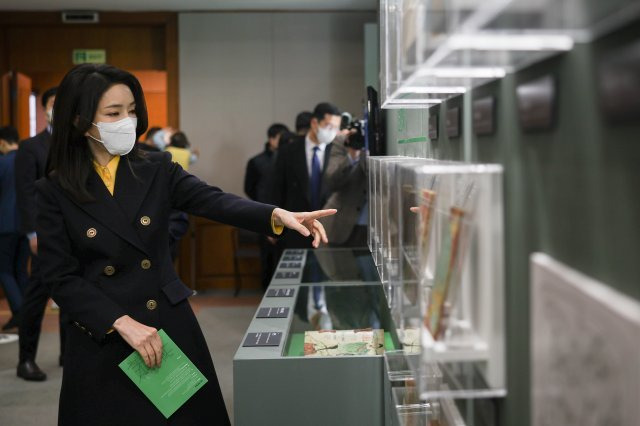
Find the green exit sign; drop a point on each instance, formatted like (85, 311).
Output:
(89, 56)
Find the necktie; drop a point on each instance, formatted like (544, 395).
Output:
(315, 180)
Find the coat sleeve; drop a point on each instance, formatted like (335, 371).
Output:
(26, 171)
(82, 300)
(340, 170)
(191, 195)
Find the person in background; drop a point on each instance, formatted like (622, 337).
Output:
(14, 246)
(298, 171)
(257, 181)
(162, 138)
(147, 144)
(30, 165)
(181, 151)
(303, 123)
(347, 180)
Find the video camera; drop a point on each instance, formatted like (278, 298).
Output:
(356, 137)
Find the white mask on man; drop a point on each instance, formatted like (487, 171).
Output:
(118, 137)
(326, 134)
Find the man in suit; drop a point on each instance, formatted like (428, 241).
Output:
(346, 176)
(30, 166)
(14, 247)
(257, 183)
(298, 174)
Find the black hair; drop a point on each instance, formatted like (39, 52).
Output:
(179, 140)
(152, 131)
(286, 138)
(9, 134)
(276, 129)
(70, 157)
(323, 109)
(303, 121)
(47, 94)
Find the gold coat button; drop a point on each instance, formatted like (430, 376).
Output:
(91, 232)
(152, 304)
(145, 220)
(145, 264)
(109, 270)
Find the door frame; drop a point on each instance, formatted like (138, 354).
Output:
(167, 20)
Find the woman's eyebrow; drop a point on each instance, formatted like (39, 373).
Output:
(119, 105)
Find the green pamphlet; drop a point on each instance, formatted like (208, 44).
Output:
(170, 385)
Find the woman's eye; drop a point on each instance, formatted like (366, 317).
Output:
(113, 114)
(132, 112)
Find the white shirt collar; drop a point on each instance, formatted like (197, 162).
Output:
(309, 144)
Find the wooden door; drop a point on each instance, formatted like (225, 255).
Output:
(5, 102)
(21, 91)
(14, 107)
(154, 85)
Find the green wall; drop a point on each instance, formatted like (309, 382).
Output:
(572, 192)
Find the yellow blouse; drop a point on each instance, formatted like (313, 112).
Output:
(108, 175)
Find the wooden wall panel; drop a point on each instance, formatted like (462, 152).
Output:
(214, 259)
(39, 43)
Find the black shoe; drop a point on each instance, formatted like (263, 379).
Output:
(12, 324)
(30, 371)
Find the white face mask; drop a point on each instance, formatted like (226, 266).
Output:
(118, 137)
(326, 134)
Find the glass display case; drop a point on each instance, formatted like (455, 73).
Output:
(432, 50)
(451, 239)
(313, 352)
(375, 203)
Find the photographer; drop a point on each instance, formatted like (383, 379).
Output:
(346, 181)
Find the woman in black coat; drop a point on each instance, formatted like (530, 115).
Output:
(103, 214)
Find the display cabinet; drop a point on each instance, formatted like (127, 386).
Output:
(432, 50)
(451, 238)
(313, 352)
(375, 203)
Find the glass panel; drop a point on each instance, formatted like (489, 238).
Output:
(332, 308)
(323, 265)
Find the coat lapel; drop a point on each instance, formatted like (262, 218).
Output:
(133, 181)
(107, 211)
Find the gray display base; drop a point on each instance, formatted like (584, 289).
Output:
(271, 388)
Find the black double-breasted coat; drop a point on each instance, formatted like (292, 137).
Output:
(110, 257)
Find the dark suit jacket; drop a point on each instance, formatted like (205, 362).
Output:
(258, 175)
(9, 221)
(31, 162)
(291, 189)
(110, 257)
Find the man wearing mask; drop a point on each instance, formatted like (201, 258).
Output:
(298, 173)
(30, 165)
(257, 181)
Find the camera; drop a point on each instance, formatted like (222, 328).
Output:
(356, 137)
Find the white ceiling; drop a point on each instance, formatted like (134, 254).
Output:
(188, 5)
